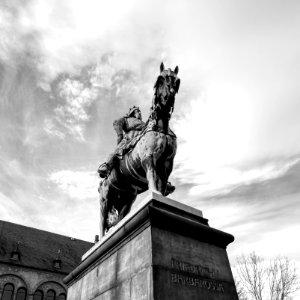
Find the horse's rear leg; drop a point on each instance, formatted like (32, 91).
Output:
(103, 217)
(103, 199)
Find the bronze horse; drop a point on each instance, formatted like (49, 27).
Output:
(149, 164)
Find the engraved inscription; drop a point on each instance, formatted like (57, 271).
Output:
(193, 269)
(212, 285)
(187, 274)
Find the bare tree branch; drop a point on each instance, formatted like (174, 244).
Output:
(257, 280)
(283, 279)
(251, 272)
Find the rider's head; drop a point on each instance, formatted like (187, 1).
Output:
(135, 112)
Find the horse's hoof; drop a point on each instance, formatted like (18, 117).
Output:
(169, 189)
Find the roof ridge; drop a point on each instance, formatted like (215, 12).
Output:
(37, 229)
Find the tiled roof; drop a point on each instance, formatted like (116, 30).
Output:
(39, 248)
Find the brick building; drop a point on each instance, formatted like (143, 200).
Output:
(34, 262)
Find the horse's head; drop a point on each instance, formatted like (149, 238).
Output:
(166, 87)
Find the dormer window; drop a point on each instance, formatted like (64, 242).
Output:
(57, 261)
(15, 254)
(57, 264)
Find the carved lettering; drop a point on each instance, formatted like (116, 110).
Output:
(197, 282)
(193, 269)
(193, 279)
(173, 278)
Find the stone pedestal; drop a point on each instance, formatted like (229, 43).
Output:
(161, 250)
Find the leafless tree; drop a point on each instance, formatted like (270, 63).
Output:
(251, 271)
(256, 279)
(283, 279)
(242, 295)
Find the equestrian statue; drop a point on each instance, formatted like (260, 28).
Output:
(144, 155)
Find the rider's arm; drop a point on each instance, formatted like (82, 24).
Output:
(120, 126)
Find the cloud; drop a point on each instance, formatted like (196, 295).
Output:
(51, 129)
(215, 128)
(13, 37)
(76, 184)
(267, 236)
(71, 116)
(77, 98)
(75, 95)
(76, 203)
(225, 180)
(100, 91)
(30, 199)
(11, 211)
(278, 182)
(218, 149)
(25, 195)
(286, 235)
(66, 37)
(256, 211)
(15, 178)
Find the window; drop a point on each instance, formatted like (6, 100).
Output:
(38, 295)
(21, 294)
(62, 296)
(8, 292)
(50, 295)
(15, 256)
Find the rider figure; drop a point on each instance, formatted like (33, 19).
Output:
(126, 128)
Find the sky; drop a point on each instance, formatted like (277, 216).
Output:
(69, 68)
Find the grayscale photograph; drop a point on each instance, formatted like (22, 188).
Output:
(149, 150)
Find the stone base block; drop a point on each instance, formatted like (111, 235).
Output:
(162, 250)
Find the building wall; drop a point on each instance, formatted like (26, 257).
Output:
(32, 280)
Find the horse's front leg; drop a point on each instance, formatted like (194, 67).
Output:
(156, 182)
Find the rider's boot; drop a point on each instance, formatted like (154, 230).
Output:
(169, 188)
(105, 168)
